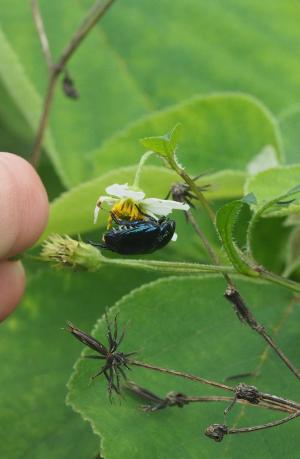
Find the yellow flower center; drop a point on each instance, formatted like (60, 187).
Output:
(126, 209)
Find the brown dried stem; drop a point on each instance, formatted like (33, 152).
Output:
(181, 374)
(241, 391)
(179, 399)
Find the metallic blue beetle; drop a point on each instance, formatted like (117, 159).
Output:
(137, 236)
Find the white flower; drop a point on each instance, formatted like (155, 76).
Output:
(130, 204)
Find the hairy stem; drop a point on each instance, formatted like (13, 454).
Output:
(214, 257)
(279, 280)
(136, 182)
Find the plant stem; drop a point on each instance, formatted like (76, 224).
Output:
(39, 23)
(280, 400)
(180, 399)
(264, 426)
(214, 257)
(136, 182)
(55, 69)
(279, 280)
(36, 152)
(181, 374)
(168, 266)
(189, 181)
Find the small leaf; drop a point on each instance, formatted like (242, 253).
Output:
(226, 219)
(164, 145)
(249, 199)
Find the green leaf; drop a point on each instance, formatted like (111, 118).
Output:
(247, 45)
(209, 342)
(226, 219)
(267, 243)
(209, 141)
(166, 144)
(276, 190)
(37, 356)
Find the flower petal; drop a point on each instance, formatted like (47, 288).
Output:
(108, 199)
(124, 191)
(174, 237)
(162, 206)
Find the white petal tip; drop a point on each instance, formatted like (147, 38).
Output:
(185, 207)
(174, 237)
(96, 213)
(163, 206)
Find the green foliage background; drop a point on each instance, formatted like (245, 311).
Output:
(229, 71)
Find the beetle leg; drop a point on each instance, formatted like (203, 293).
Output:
(117, 220)
(145, 215)
(98, 244)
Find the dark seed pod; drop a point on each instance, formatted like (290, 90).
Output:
(249, 393)
(216, 431)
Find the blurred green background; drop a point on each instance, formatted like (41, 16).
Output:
(229, 71)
